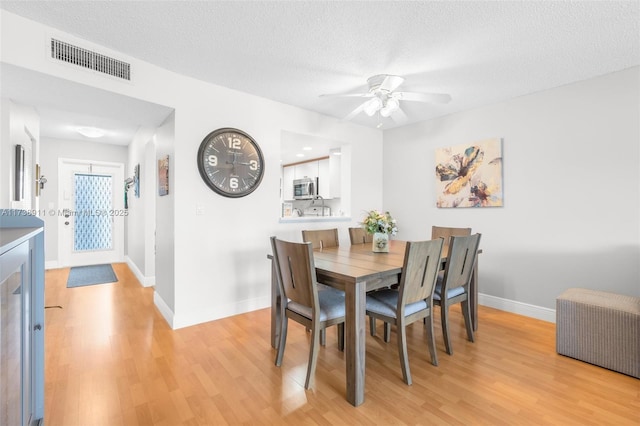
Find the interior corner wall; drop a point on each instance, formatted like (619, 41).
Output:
(138, 216)
(165, 217)
(571, 215)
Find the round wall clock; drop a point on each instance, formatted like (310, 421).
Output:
(230, 162)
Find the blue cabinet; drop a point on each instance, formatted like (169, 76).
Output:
(21, 318)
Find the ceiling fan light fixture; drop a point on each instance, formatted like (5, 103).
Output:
(390, 107)
(372, 106)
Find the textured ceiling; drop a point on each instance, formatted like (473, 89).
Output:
(478, 52)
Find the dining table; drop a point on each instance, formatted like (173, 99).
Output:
(356, 270)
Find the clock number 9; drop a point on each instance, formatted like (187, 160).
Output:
(253, 165)
(213, 160)
(234, 143)
(233, 183)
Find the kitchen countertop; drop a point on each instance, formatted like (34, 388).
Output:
(303, 219)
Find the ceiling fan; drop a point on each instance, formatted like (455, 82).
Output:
(384, 100)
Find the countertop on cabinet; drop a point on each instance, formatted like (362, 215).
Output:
(304, 219)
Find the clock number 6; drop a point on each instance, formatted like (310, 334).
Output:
(233, 183)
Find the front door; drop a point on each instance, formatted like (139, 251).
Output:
(91, 212)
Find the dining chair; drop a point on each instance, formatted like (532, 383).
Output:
(447, 233)
(359, 236)
(321, 238)
(301, 300)
(452, 286)
(412, 301)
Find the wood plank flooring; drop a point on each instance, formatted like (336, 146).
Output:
(111, 359)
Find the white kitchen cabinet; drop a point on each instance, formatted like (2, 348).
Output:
(22, 323)
(335, 178)
(324, 179)
(309, 169)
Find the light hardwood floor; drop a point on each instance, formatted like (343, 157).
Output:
(111, 359)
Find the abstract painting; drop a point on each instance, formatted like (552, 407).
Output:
(163, 176)
(470, 175)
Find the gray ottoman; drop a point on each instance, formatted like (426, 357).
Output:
(600, 328)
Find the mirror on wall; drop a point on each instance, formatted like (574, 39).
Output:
(315, 174)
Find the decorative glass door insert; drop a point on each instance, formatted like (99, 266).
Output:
(92, 212)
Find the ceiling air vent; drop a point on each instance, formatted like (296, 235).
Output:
(89, 59)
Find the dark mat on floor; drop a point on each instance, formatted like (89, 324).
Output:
(90, 275)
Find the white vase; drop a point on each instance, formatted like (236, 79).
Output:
(380, 243)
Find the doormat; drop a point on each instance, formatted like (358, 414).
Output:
(89, 275)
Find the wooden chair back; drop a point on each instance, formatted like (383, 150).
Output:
(321, 238)
(296, 272)
(359, 236)
(420, 271)
(447, 233)
(461, 260)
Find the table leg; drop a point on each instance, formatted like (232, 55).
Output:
(473, 293)
(355, 344)
(276, 300)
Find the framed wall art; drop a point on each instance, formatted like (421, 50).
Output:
(163, 176)
(18, 190)
(469, 175)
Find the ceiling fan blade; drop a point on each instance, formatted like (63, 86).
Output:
(391, 82)
(356, 111)
(361, 92)
(437, 98)
(399, 116)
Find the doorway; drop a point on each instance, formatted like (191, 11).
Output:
(91, 212)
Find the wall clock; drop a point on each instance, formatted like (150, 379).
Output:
(230, 162)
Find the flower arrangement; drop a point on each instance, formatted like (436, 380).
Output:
(376, 221)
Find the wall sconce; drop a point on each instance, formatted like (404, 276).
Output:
(40, 180)
(127, 183)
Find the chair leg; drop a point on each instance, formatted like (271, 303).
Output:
(313, 357)
(402, 351)
(431, 340)
(387, 332)
(283, 339)
(372, 326)
(323, 336)
(444, 315)
(466, 313)
(341, 337)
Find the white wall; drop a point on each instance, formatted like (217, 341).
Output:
(20, 126)
(571, 215)
(141, 211)
(50, 151)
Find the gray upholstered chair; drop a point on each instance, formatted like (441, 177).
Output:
(301, 300)
(453, 285)
(321, 238)
(412, 301)
(359, 236)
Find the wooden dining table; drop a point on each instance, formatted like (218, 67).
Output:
(356, 270)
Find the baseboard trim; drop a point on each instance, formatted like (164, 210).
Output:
(515, 307)
(51, 264)
(218, 312)
(164, 309)
(144, 280)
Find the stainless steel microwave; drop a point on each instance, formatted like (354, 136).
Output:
(305, 189)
